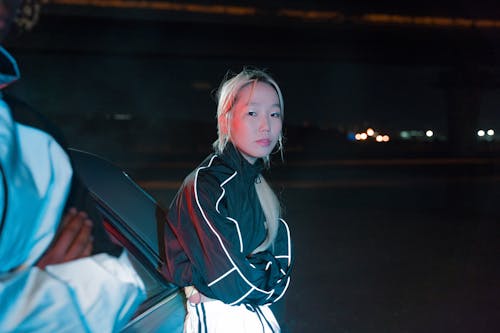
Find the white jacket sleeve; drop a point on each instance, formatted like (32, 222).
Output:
(94, 294)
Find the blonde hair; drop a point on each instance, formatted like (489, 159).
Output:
(272, 212)
(226, 96)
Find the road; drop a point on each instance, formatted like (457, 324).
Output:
(403, 245)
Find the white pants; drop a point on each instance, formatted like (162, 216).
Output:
(218, 317)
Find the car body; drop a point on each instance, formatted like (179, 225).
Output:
(134, 220)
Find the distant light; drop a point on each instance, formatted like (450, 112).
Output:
(122, 116)
(370, 132)
(364, 136)
(405, 134)
(201, 85)
(490, 132)
(385, 138)
(416, 133)
(480, 133)
(379, 138)
(357, 136)
(429, 133)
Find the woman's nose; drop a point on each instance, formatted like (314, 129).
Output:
(264, 124)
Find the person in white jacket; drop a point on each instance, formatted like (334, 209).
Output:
(49, 282)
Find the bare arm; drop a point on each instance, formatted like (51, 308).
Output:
(73, 242)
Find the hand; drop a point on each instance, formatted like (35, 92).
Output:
(73, 242)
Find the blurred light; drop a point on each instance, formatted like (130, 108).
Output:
(370, 131)
(385, 138)
(430, 21)
(357, 136)
(480, 133)
(490, 132)
(364, 136)
(429, 133)
(351, 136)
(416, 133)
(379, 138)
(405, 134)
(122, 116)
(201, 85)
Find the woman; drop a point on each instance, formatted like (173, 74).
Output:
(232, 251)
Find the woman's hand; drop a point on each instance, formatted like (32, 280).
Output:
(73, 242)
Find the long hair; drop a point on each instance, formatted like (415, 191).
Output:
(226, 97)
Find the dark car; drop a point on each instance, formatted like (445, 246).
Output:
(134, 220)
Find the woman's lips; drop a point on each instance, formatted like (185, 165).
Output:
(264, 142)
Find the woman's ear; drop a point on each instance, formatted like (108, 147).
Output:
(224, 123)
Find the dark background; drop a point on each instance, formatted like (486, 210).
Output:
(390, 237)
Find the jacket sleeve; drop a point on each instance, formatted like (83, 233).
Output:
(93, 294)
(211, 242)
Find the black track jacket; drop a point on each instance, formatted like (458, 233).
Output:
(217, 221)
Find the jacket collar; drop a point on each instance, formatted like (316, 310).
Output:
(239, 163)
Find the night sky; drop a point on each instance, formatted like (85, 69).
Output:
(92, 61)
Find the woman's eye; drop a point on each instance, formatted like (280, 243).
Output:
(276, 115)
(252, 113)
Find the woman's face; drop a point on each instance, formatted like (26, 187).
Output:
(256, 121)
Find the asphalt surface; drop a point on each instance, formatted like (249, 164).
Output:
(408, 246)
